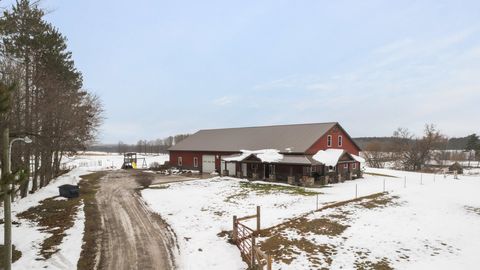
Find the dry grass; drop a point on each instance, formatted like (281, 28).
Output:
(379, 202)
(285, 250)
(57, 216)
(54, 217)
(383, 264)
(264, 189)
(162, 186)
(92, 234)
(471, 209)
(381, 174)
(333, 225)
(144, 179)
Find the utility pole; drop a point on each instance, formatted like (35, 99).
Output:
(7, 245)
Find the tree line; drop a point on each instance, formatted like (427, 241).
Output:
(406, 151)
(157, 146)
(453, 143)
(43, 95)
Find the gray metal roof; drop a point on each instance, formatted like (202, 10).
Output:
(297, 137)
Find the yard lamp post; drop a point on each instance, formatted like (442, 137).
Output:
(7, 188)
(25, 139)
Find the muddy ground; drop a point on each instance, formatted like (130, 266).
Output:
(132, 236)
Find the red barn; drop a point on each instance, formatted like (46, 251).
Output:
(270, 152)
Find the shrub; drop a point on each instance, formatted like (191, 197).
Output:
(144, 179)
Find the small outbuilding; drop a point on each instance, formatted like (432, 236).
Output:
(69, 191)
(456, 167)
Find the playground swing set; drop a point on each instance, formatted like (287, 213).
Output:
(130, 161)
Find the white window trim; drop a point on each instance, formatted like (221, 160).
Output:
(195, 162)
(329, 141)
(340, 140)
(179, 161)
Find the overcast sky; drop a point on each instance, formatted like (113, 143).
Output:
(168, 67)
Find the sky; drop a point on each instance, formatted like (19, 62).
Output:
(170, 67)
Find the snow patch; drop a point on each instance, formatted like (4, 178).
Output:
(329, 157)
(265, 155)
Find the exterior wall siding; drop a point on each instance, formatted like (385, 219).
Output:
(347, 143)
(188, 156)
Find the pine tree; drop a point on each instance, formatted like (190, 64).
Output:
(472, 142)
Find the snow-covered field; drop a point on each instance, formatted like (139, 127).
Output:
(434, 223)
(27, 236)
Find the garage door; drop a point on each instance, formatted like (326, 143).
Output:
(208, 163)
(230, 168)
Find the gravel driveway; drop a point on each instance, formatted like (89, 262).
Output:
(132, 236)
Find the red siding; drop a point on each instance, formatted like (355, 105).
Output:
(337, 130)
(187, 159)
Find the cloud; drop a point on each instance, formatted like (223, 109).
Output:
(407, 82)
(223, 101)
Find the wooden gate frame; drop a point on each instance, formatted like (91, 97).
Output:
(244, 237)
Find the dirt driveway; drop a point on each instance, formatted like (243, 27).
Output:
(132, 236)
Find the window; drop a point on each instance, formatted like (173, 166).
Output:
(345, 166)
(340, 140)
(195, 162)
(329, 140)
(180, 161)
(354, 165)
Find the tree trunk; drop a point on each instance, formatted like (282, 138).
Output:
(7, 253)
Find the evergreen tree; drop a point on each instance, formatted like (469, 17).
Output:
(473, 142)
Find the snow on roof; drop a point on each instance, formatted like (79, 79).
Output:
(358, 158)
(265, 155)
(329, 157)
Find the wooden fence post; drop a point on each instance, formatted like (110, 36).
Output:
(258, 219)
(234, 232)
(252, 262)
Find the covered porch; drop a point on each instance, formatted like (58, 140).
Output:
(293, 169)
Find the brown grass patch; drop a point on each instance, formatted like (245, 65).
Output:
(332, 224)
(321, 226)
(265, 189)
(379, 202)
(54, 217)
(381, 174)
(92, 231)
(383, 264)
(284, 250)
(57, 216)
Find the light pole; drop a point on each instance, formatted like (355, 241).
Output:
(6, 189)
(25, 139)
